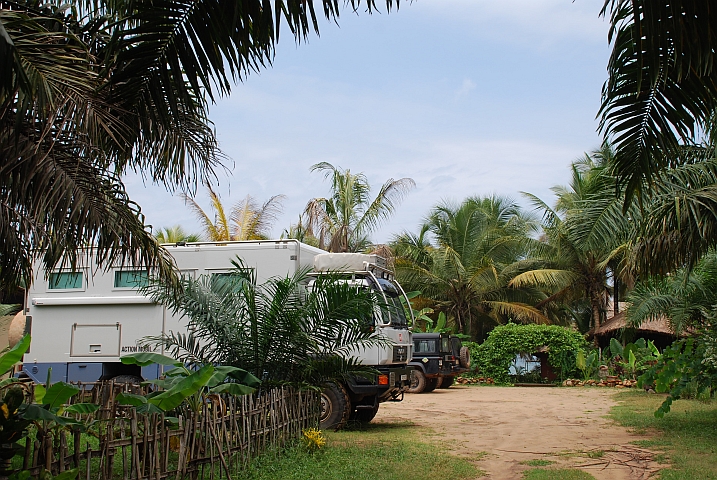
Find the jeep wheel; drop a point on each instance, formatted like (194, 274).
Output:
(431, 384)
(446, 382)
(335, 407)
(418, 382)
(465, 357)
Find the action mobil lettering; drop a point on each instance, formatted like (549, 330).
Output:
(136, 348)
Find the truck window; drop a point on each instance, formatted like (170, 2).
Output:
(398, 314)
(220, 279)
(66, 281)
(131, 278)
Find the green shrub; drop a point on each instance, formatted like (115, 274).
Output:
(494, 356)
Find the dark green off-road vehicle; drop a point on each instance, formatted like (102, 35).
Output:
(437, 359)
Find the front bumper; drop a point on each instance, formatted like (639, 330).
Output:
(389, 385)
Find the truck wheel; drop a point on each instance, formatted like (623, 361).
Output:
(335, 407)
(446, 382)
(364, 415)
(418, 382)
(431, 384)
(465, 357)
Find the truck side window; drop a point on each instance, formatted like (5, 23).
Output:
(66, 281)
(131, 278)
(220, 279)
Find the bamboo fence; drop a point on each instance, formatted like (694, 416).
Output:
(216, 440)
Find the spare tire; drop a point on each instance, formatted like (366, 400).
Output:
(465, 357)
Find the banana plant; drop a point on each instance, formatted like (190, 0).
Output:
(184, 385)
(587, 364)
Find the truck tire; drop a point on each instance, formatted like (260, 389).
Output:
(335, 407)
(418, 381)
(431, 384)
(465, 357)
(446, 382)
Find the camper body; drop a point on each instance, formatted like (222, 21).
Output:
(83, 320)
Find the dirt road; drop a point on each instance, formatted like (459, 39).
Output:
(504, 426)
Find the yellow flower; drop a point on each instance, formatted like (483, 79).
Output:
(313, 439)
(5, 410)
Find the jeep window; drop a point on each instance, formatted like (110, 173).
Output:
(425, 346)
(445, 344)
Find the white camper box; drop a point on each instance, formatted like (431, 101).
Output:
(82, 323)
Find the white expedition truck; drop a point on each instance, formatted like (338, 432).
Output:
(83, 320)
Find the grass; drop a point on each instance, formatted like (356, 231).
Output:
(556, 474)
(385, 451)
(686, 437)
(537, 462)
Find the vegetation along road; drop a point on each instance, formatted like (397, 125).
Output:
(511, 429)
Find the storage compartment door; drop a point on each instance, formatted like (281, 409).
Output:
(96, 340)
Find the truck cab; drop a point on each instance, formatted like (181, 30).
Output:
(358, 398)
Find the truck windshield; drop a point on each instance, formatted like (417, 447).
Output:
(396, 313)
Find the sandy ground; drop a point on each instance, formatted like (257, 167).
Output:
(503, 426)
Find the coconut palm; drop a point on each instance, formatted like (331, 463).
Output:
(344, 221)
(583, 237)
(247, 220)
(90, 92)
(280, 331)
(464, 268)
(687, 298)
(175, 234)
(662, 87)
(299, 231)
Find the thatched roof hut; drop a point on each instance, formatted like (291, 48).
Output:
(658, 330)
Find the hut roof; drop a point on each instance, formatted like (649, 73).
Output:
(659, 325)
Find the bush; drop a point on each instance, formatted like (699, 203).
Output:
(494, 356)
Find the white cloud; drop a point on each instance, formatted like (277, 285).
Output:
(465, 88)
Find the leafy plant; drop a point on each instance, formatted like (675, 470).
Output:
(634, 358)
(587, 364)
(184, 385)
(494, 356)
(683, 367)
(280, 331)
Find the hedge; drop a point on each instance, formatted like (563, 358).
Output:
(494, 356)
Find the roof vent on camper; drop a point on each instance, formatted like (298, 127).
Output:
(181, 244)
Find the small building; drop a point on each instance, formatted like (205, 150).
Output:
(658, 330)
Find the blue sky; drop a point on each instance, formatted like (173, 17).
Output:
(467, 97)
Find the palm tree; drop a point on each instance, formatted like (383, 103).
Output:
(662, 87)
(175, 234)
(298, 231)
(247, 220)
(584, 238)
(687, 298)
(90, 92)
(280, 331)
(344, 221)
(464, 269)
